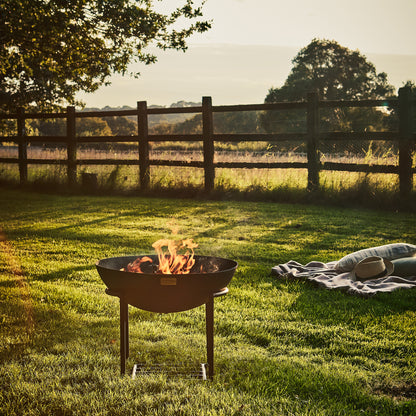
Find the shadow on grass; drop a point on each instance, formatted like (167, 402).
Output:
(61, 274)
(54, 325)
(310, 385)
(361, 194)
(333, 306)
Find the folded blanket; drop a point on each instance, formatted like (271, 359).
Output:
(325, 275)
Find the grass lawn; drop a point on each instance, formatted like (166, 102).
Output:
(281, 347)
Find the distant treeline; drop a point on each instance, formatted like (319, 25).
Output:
(99, 126)
(243, 122)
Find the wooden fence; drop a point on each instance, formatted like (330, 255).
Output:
(405, 137)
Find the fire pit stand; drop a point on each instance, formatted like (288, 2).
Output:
(124, 330)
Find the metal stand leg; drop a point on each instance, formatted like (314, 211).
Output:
(124, 334)
(126, 320)
(209, 318)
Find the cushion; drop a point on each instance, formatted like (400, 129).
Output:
(388, 251)
(405, 267)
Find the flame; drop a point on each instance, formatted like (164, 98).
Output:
(170, 262)
(134, 266)
(174, 263)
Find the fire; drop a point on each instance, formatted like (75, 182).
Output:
(134, 266)
(170, 261)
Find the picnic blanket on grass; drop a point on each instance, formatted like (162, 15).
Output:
(328, 276)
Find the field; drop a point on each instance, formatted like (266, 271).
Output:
(267, 184)
(281, 347)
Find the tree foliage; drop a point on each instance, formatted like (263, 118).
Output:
(51, 49)
(92, 126)
(336, 73)
(122, 126)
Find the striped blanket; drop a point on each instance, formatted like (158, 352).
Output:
(326, 275)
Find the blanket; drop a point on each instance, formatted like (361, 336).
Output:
(325, 275)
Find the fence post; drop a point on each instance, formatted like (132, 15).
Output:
(312, 143)
(71, 146)
(405, 141)
(207, 132)
(22, 145)
(143, 133)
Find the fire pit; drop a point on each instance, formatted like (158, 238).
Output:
(150, 289)
(166, 293)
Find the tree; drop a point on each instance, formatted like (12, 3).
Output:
(122, 126)
(51, 49)
(92, 126)
(336, 73)
(50, 127)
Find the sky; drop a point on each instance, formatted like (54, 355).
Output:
(252, 42)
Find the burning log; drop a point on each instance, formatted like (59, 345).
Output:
(134, 266)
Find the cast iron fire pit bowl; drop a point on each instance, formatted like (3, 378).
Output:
(165, 293)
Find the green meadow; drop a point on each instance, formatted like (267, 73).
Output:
(282, 347)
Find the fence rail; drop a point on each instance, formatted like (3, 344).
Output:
(405, 137)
